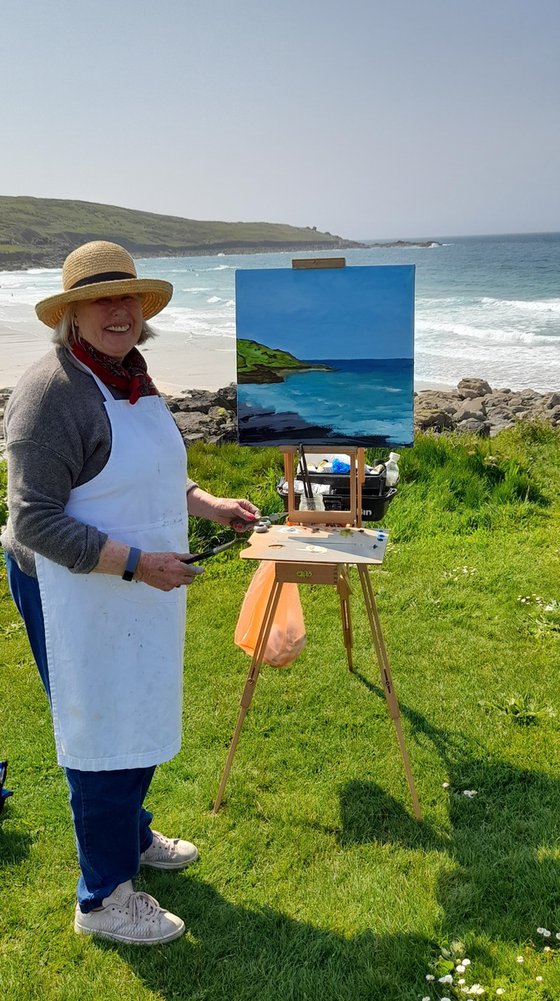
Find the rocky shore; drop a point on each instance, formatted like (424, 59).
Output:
(202, 415)
(474, 406)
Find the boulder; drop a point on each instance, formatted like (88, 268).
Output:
(499, 396)
(432, 418)
(472, 409)
(474, 426)
(500, 425)
(472, 388)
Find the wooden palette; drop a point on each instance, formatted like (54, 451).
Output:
(300, 544)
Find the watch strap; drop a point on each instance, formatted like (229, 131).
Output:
(132, 562)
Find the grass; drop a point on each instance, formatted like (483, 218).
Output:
(315, 882)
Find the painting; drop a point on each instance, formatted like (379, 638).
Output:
(325, 356)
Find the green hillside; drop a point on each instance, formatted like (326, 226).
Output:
(259, 363)
(37, 232)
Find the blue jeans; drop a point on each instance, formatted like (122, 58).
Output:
(111, 825)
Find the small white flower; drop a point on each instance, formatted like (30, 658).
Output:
(471, 793)
(427, 998)
(465, 962)
(520, 959)
(460, 968)
(557, 935)
(445, 785)
(546, 933)
(538, 978)
(476, 989)
(546, 948)
(430, 976)
(500, 990)
(447, 979)
(541, 931)
(461, 980)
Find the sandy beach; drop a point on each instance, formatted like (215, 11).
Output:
(176, 362)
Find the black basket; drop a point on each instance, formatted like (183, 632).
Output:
(376, 496)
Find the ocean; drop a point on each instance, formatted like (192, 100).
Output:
(366, 403)
(485, 306)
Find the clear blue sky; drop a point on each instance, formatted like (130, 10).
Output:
(379, 118)
(356, 312)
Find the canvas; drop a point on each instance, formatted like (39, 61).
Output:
(325, 356)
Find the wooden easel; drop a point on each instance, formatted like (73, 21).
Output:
(331, 568)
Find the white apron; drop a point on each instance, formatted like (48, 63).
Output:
(115, 648)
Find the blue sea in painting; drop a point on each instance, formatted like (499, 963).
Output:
(360, 401)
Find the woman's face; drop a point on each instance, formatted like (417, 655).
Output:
(111, 324)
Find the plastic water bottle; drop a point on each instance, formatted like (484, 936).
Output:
(392, 469)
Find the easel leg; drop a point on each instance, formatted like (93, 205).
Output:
(250, 684)
(343, 588)
(387, 681)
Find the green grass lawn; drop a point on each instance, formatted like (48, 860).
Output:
(315, 882)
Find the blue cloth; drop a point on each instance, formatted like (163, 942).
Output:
(339, 466)
(111, 825)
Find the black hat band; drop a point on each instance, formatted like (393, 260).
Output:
(104, 276)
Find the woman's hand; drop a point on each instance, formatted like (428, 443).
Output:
(225, 511)
(166, 570)
(162, 570)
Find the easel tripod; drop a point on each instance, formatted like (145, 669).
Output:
(330, 567)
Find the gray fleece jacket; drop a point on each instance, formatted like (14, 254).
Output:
(58, 436)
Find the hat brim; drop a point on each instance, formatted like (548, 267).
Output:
(153, 294)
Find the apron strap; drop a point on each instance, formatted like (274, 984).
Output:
(107, 396)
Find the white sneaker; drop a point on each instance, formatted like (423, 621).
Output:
(130, 917)
(168, 853)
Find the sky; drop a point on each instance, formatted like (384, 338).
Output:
(357, 312)
(365, 118)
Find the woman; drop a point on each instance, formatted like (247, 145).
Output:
(97, 496)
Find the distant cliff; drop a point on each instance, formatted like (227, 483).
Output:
(40, 232)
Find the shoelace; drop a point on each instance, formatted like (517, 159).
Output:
(168, 843)
(162, 844)
(142, 905)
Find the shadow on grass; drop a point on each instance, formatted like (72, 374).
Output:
(504, 880)
(233, 952)
(369, 814)
(14, 845)
(504, 841)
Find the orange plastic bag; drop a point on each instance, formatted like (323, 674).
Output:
(287, 636)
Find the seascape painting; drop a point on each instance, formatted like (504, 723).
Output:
(325, 356)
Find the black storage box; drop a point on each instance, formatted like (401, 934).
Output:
(376, 496)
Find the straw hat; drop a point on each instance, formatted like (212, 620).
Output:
(102, 269)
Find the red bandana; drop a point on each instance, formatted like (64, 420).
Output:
(130, 375)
